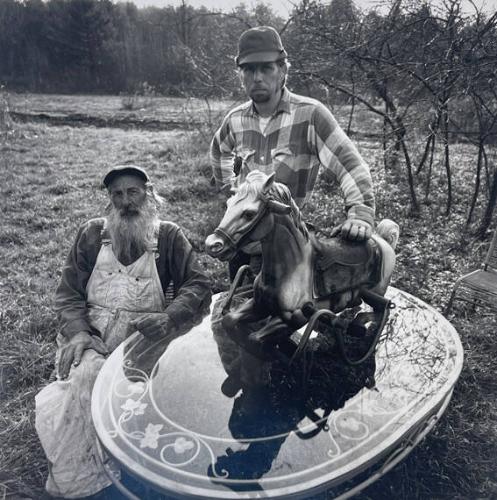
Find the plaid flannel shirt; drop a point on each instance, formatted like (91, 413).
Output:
(301, 135)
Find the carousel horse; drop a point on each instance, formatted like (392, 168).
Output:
(302, 279)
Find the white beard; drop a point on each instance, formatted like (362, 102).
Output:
(132, 234)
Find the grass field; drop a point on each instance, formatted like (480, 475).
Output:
(50, 184)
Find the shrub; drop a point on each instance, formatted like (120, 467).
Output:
(141, 98)
(5, 119)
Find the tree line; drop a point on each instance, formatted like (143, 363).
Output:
(100, 46)
(427, 70)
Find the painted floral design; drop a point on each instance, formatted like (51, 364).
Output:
(181, 445)
(151, 437)
(136, 388)
(134, 407)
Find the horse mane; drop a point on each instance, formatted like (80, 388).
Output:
(278, 192)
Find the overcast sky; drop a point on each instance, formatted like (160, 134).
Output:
(283, 7)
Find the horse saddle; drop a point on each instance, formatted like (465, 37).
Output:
(341, 265)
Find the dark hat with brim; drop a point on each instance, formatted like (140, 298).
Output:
(119, 170)
(260, 45)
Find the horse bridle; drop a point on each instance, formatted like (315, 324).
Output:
(268, 205)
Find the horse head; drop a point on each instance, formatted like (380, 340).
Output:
(248, 216)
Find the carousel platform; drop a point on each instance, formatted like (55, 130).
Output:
(162, 416)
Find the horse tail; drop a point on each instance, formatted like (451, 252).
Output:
(389, 231)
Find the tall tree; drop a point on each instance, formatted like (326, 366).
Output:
(76, 31)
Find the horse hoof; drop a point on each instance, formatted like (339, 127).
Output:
(273, 336)
(256, 338)
(231, 386)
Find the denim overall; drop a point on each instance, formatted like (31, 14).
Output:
(116, 295)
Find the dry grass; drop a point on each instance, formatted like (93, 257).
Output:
(162, 108)
(50, 184)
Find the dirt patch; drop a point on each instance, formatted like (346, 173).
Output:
(82, 120)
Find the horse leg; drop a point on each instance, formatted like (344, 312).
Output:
(240, 275)
(379, 317)
(247, 368)
(381, 310)
(239, 326)
(375, 300)
(274, 329)
(246, 313)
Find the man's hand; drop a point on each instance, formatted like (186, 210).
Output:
(73, 351)
(154, 325)
(353, 230)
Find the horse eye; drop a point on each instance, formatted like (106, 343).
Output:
(249, 215)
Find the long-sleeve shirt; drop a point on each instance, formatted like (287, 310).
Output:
(301, 135)
(176, 266)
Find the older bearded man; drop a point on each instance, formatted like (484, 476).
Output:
(114, 283)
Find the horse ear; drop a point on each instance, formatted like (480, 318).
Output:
(269, 182)
(237, 165)
(278, 207)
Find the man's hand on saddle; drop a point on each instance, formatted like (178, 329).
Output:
(353, 230)
(72, 353)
